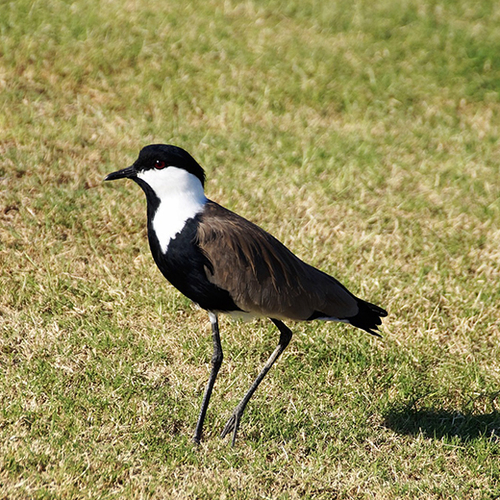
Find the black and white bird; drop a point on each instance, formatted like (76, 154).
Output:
(226, 264)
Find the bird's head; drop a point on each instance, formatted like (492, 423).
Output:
(163, 169)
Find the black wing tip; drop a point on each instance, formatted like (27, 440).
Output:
(376, 309)
(368, 317)
(373, 331)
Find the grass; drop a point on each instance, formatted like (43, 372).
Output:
(364, 135)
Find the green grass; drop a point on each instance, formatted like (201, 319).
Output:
(364, 135)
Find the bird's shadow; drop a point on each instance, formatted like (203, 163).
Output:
(437, 423)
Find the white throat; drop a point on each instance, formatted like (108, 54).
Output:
(181, 198)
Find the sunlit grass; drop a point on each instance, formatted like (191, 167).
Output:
(364, 135)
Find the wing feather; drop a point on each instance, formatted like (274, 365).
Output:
(262, 276)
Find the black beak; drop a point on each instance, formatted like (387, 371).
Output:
(121, 174)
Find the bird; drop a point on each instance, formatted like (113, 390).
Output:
(229, 265)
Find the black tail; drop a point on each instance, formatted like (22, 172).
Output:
(368, 317)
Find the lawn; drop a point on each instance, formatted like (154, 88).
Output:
(364, 135)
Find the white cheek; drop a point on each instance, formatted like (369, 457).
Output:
(181, 198)
(167, 181)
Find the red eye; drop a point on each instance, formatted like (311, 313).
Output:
(159, 164)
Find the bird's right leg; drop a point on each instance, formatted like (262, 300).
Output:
(216, 362)
(234, 422)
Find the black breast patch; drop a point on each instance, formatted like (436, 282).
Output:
(184, 267)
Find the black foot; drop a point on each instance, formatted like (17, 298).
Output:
(233, 424)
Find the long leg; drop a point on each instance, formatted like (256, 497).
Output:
(234, 422)
(216, 362)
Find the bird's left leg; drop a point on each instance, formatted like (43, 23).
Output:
(234, 422)
(216, 362)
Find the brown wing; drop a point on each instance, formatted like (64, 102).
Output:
(262, 275)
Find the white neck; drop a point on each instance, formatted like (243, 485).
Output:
(181, 198)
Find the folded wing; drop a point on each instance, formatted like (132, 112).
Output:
(262, 276)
